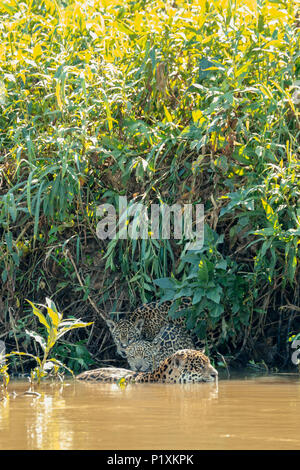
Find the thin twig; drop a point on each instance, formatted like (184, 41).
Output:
(290, 307)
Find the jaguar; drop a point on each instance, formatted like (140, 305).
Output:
(183, 366)
(143, 355)
(145, 322)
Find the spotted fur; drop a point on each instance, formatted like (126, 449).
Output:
(145, 355)
(125, 332)
(144, 323)
(183, 366)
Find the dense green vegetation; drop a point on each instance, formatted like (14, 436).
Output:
(162, 102)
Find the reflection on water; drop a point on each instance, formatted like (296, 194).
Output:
(255, 413)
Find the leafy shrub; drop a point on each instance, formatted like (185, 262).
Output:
(164, 103)
(56, 328)
(217, 289)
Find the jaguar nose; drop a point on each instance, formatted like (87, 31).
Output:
(214, 374)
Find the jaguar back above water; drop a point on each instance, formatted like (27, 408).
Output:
(183, 366)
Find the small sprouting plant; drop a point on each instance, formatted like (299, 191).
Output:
(121, 382)
(56, 328)
(294, 337)
(4, 375)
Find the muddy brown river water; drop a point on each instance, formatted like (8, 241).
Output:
(240, 413)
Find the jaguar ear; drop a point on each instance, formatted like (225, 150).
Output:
(139, 324)
(202, 350)
(111, 324)
(177, 362)
(178, 359)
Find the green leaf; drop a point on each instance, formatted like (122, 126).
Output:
(9, 241)
(199, 293)
(216, 311)
(55, 316)
(125, 29)
(62, 331)
(222, 264)
(37, 211)
(191, 321)
(175, 312)
(214, 294)
(203, 271)
(40, 315)
(165, 283)
(4, 275)
(168, 295)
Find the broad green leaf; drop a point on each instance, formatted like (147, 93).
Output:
(124, 28)
(214, 294)
(53, 313)
(62, 331)
(40, 315)
(199, 293)
(165, 283)
(216, 311)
